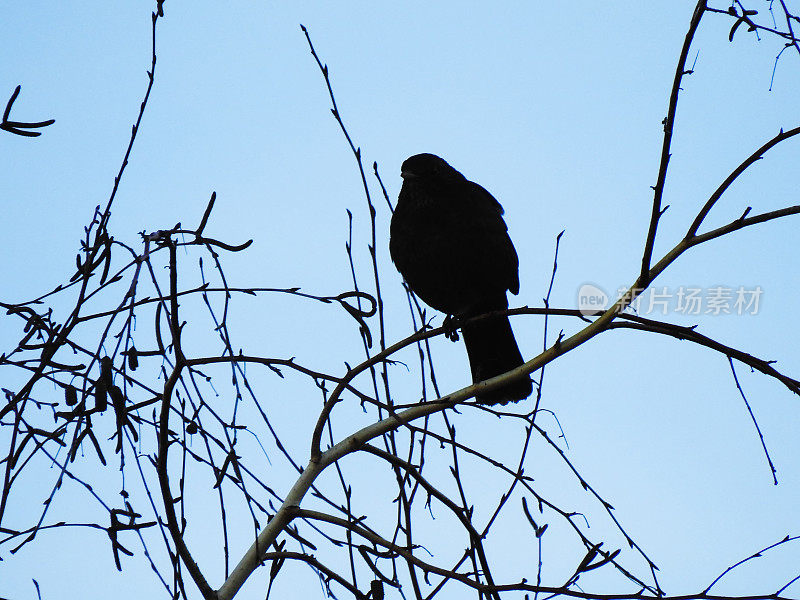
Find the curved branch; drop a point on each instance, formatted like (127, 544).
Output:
(669, 124)
(746, 163)
(163, 437)
(314, 562)
(688, 333)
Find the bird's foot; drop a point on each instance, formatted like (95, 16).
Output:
(451, 325)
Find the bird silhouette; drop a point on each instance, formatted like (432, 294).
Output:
(450, 243)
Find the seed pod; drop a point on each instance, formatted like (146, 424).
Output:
(100, 396)
(117, 398)
(106, 374)
(133, 358)
(71, 395)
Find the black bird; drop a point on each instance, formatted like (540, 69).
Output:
(450, 243)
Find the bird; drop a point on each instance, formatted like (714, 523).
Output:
(449, 242)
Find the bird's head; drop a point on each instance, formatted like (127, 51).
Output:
(427, 166)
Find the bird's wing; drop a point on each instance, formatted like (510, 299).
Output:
(481, 198)
(498, 256)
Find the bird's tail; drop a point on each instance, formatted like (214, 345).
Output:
(493, 350)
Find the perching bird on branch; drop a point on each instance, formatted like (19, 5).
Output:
(450, 243)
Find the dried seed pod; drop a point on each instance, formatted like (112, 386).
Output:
(106, 372)
(100, 396)
(70, 395)
(133, 358)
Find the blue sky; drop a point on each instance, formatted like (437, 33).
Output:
(554, 109)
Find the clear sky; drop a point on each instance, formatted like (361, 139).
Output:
(557, 110)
